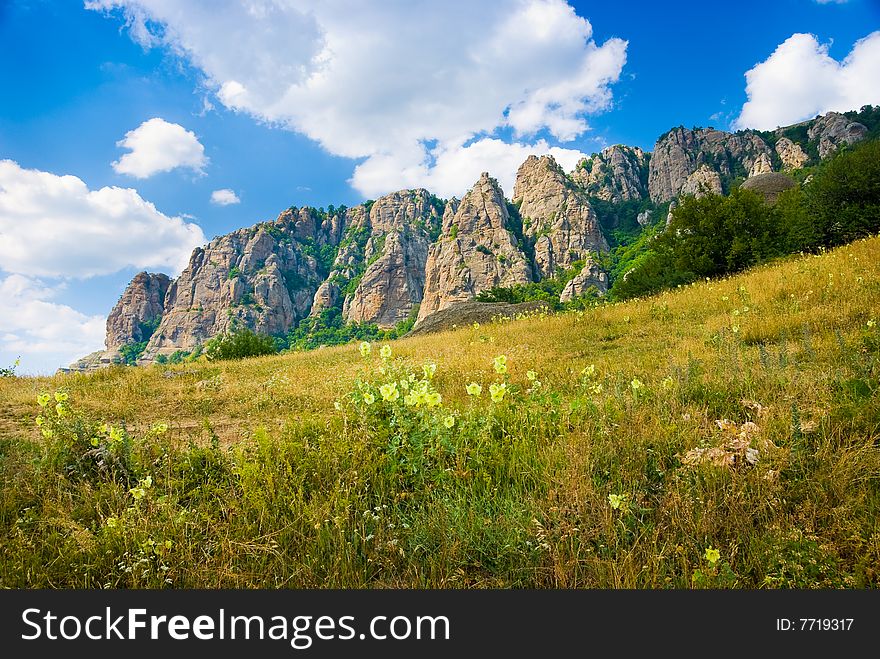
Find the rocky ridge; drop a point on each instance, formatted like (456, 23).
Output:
(380, 262)
(618, 173)
(476, 251)
(556, 215)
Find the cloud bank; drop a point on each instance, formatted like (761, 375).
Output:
(401, 85)
(800, 80)
(44, 333)
(55, 226)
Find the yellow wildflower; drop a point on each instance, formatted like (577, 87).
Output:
(500, 364)
(43, 399)
(497, 391)
(531, 375)
(389, 392)
(433, 399)
(385, 352)
(474, 389)
(60, 396)
(59, 409)
(369, 398)
(449, 421)
(365, 349)
(712, 555)
(429, 369)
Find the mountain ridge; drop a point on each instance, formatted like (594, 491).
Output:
(409, 254)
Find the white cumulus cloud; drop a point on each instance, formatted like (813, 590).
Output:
(159, 146)
(398, 84)
(45, 334)
(55, 226)
(800, 80)
(224, 197)
(456, 169)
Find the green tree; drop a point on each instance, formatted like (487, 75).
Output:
(240, 344)
(844, 196)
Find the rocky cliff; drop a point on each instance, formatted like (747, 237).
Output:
(138, 311)
(556, 216)
(476, 251)
(618, 173)
(380, 261)
(402, 225)
(681, 152)
(132, 320)
(833, 130)
(263, 278)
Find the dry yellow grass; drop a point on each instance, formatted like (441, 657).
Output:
(525, 494)
(819, 295)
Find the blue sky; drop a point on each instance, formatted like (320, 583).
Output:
(418, 95)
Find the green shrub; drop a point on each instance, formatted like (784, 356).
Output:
(239, 345)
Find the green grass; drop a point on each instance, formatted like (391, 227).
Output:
(260, 481)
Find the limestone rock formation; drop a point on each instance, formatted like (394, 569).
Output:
(557, 215)
(262, 278)
(681, 152)
(392, 284)
(476, 251)
(378, 274)
(790, 154)
(349, 258)
(833, 130)
(618, 173)
(761, 166)
(132, 320)
(138, 310)
(704, 181)
(589, 276)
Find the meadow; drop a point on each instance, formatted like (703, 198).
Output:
(725, 434)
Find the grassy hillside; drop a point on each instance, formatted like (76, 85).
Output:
(721, 435)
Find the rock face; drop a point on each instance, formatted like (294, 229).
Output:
(834, 129)
(476, 251)
(704, 181)
(262, 278)
(378, 273)
(379, 261)
(790, 154)
(761, 166)
(681, 152)
(618, 173)
(590, 276)
(138, 310)
(556, 215)
(132, 320)
(393, 282)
